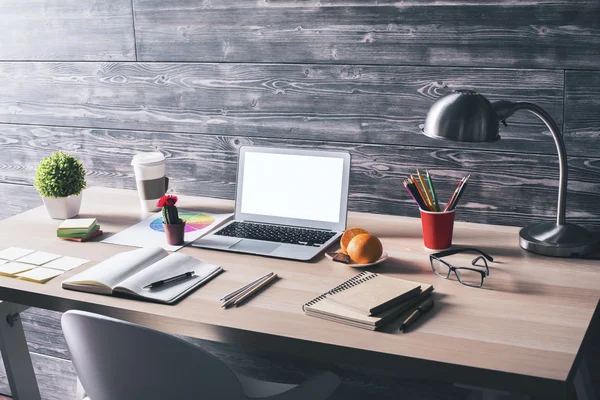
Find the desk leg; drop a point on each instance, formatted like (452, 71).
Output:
(583, 382)
(15, 354)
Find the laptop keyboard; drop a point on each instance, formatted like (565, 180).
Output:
(276, 233)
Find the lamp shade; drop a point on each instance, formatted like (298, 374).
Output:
(464, 116)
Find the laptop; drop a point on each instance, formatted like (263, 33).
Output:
(289, 203)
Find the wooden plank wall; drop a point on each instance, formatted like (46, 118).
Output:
(109, 78)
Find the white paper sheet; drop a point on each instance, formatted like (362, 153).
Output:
(150, 232)
(66, 263)
(38, 258)
(13, 253)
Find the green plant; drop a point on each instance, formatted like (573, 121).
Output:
(170, 213)
(59, 175)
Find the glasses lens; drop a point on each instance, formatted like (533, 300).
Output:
(469, 277)
(440, 268)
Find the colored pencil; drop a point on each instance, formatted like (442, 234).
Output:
(414, 194)
(414, 181)
(429, 201)
(435, 200)
(459, 194)
(419, 195)
(451, 202)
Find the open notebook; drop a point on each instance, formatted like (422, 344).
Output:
(127, 273)
(326, 307)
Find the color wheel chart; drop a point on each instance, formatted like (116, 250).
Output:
(193, 222)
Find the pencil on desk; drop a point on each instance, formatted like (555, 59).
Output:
(254, 290)
(244, 288)
(242, 291)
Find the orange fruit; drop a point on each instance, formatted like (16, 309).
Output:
(364, 248)
(348, 235)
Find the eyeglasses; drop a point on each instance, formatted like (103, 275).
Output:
(467, 276)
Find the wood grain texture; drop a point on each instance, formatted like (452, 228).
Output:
(363, 104)
(56, 378)
(459, 34)
(506, 188)
(21, 198)
(582, 105)
(512, 349)
(66, 30)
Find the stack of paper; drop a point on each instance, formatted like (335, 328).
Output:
(80, 229)
(368, 300)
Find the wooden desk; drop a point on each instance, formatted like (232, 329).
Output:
(521, 332)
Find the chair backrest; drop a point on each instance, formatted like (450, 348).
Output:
(117, 360)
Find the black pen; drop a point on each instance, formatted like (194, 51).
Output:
(169, 280)
(421, 309)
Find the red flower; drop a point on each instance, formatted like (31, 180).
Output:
(167, 200)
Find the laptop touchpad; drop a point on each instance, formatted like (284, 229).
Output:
(255, 246)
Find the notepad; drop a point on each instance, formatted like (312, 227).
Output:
(330, 305)
(324, 308)
(372, 293)
(39, 274)
(14, 253)
(129, 273)
(77, 224)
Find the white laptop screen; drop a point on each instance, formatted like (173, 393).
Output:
(292, 186)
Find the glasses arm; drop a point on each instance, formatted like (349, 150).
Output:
(465, 249)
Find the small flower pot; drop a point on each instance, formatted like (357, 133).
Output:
(175, 233)
(63, 207)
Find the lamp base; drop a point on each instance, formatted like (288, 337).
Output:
(550, 239)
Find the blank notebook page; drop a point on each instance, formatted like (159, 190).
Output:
(371, 293)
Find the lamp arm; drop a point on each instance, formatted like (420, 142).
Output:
(505, 109)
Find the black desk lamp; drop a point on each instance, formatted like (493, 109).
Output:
(467, 116)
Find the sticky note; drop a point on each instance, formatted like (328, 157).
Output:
(39, 274)
(13, 253)
(66, 263)
(38, 258)
(12, 268)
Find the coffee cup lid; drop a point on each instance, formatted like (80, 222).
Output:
(153, 157)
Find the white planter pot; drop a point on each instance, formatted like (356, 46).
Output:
(63, 207)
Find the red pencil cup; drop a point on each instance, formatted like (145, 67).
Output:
(437, 229)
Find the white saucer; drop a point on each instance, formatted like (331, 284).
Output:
(384, 256)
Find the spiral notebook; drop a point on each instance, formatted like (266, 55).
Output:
(352, 302)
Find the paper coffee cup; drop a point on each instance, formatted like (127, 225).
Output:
(152, 184)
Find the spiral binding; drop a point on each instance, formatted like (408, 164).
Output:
(354, 281)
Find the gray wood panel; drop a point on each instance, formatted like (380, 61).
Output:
(582, 106)
(506, 188)
(17, 198)
(56, 378)
(363, 104)
(66, 30)
(44, 333)
(451, 33)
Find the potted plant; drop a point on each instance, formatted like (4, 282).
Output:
(60, 178)
(174, 226)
